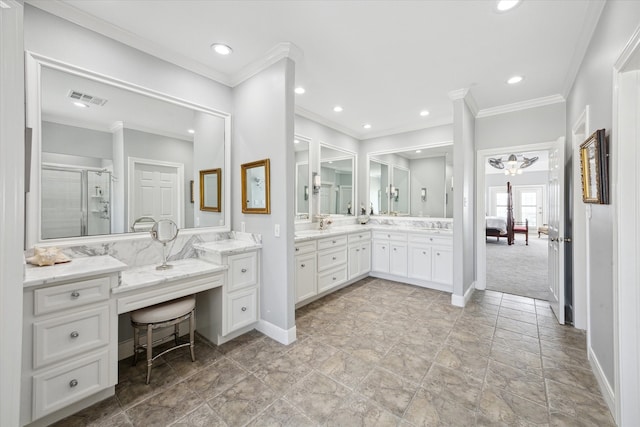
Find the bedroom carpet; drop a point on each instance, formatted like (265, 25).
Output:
(518, 269)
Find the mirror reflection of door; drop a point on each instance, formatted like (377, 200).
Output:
(154, 191)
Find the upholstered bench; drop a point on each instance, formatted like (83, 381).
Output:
(543, 229)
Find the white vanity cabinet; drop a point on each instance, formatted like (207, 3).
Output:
(418, 258)
(390, 252)
(324, 264)
(69, 343)
(359, 253)
(238, 302)
(305, 273)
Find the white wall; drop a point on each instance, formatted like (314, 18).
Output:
(208, 153)
(64, 139)
(263, 127)
(463, 200)
(530, 126)
(593, 86)
(11, 210)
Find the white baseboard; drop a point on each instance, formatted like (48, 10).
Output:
(283, 336)
(462, 300)
(605, 387)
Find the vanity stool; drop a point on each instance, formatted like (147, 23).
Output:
(160, 316)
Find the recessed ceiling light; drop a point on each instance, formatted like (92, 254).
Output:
(424, 113)
(515, 79)
(337, 108)
(295, 141)
(299, 90)
(221, 49)
(505, 5)
(366, 126)
(80, 105)
(330, 161)
(191, 131)
(418, 151)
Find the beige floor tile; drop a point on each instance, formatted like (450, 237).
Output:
(511, 339)
(573, 401)
(257, 352)
(217, 378)
(517, 358)
(318, 396)
(453, 385)
(516, 381)
(470, 364)
(359, 411)
(569, 374)
(389, 390)
(517, 326)
(346, 369)
(282, 414)
(404, 361)
(499, 407)
(203, 416)
(430, 409)
(282, 372)
(243, 401)
(165, 407)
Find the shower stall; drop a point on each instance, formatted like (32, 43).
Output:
(75, 202)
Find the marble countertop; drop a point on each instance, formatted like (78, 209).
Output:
(228, 246)
(304, 235)
(145, 276)
(77, 268)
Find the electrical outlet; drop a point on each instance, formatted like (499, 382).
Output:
(242, 226)
(276, 230)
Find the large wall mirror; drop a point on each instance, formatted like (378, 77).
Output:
(303, 179)
(256, 187)
(107, 153)
(337, 191)
(416, 182)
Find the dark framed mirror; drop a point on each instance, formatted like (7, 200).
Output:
(210, 189)
(256, 196)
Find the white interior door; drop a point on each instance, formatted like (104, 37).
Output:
(556, 229)
(155, 192)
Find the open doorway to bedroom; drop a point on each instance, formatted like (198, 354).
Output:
(516, 223)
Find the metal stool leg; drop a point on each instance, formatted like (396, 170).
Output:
(149, 351)
(176, 333)
(136, 344)
(192, 328)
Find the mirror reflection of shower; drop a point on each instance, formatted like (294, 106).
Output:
(75, 201)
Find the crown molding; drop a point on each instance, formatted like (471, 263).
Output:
(628, 51)
(92, 23)
(443, 121)
(519, 106)
(594, 10)
(465, 94)
(275, 54)
(100, 26)
(325, 122)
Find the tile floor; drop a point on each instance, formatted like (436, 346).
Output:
(375, 353)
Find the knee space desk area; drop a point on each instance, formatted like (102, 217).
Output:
(70, 328)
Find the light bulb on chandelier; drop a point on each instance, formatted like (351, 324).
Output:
(512, 166)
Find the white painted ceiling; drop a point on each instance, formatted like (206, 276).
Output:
(382, 61)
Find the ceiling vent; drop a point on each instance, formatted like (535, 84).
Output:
(87, 99)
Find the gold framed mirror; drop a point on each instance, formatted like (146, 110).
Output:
(210, 186)
(256, 198)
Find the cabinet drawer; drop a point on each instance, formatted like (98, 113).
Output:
(359, 237)
(60, 387)
(242, 309)
(332, 242)
(332, 278)
(243, 271)
(397, 236)
(305, 247)
(71, 295)
(328, 258)
(67, 336)
(430, 240)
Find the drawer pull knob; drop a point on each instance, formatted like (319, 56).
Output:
(297, 249)
(334, 242)
(334, 278)
(333, 258)
(244, 309)
(75, 295)
(74, 334)
(244, 270)
(357, 250)
(424, 253)
(431, 238)
(73, 383)
(303, 265)
(438, 253)
(395, 249)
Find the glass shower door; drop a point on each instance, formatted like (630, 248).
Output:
(62, 208)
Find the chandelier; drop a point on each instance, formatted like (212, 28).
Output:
(512, 166)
